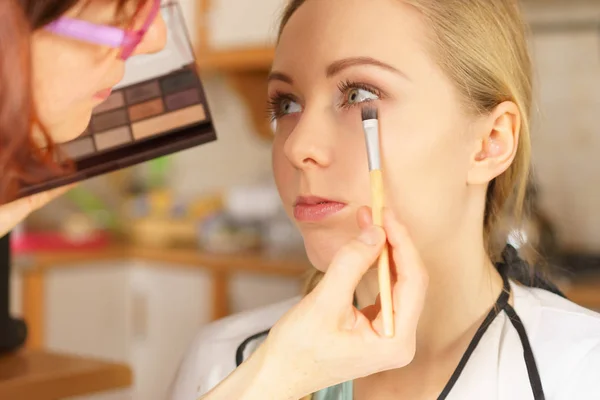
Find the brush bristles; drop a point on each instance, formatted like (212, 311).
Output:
(369, 113)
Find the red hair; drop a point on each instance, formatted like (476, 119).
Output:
(23, 159)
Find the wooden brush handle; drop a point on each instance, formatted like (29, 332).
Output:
(383, 263)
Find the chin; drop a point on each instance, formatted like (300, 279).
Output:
(70, 128)
(321, 247)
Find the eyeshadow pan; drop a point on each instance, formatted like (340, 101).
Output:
(79, 147)
(167, 122)
(145, 110)
(112, 138)
(182, 99)
(110, 120)
(178, 82)
(115, 100)
(142, 92)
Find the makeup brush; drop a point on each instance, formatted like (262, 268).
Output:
(370, 123)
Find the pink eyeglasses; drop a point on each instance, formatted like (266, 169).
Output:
(126, 40)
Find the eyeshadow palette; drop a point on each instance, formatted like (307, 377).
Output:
(157, 109)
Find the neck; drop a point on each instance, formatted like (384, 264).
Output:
(463, 286)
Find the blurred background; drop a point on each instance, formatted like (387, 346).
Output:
(128, 267)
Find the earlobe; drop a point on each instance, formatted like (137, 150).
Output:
(496, 144)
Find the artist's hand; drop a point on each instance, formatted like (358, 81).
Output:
(13, 213)
(324, 340)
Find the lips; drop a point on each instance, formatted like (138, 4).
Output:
(314, 209)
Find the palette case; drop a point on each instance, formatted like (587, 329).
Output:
(157, 109)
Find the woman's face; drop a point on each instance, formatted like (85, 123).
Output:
(333, 57)
(71, 77)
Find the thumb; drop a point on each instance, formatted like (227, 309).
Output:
(349, 265)
(13, 213)
(39, 200)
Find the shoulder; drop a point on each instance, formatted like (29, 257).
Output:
(214, 351)
(566, 341)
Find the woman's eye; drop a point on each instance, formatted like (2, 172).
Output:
(288, 106)
(358, 95)
(282, 104)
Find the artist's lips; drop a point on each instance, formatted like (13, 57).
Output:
(313, 209)
(103, 94)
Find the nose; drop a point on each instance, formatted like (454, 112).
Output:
(155, 38)
(310, 144)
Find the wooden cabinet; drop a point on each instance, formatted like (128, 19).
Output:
(138, 313)
(143, 307)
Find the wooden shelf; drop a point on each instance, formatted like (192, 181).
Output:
(246, 71)
(34, 268)
(252, 262)
(243, 60)
(40, 375)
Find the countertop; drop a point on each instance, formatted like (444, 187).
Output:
(42, 375)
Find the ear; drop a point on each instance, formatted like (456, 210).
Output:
(496, 142)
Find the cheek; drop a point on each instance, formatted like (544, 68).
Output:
(283, 171)
(66, 74)
(427, 165)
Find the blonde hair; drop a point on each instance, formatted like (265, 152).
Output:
(481, 46)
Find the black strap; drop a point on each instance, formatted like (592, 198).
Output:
(501, 305)
(239, 354)
(532, 370)
(519, 270)
(498, 307)
(506, 269)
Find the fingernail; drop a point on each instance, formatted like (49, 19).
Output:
(370, 236)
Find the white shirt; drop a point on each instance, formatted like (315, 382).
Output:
(565, 339)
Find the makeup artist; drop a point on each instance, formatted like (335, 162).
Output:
(50, 82)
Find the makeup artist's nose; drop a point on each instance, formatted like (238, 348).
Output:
(155, 39)
(308, 145)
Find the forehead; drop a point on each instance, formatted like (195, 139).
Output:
(322, 31)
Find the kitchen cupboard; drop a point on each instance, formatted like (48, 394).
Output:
(143, 313)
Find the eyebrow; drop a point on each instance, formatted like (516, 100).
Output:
(340, 65)
(280, 76)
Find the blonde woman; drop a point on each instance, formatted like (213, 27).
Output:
(452, 82)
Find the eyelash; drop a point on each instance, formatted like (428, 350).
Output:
(347, 85)
(274, 103)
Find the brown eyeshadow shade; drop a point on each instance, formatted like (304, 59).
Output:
(79, 147)
(115, 100)
(178, 82)
(182, 99)
(142, 92)
(167, 122)
(145, 110)
(110, 120)
(112, 138)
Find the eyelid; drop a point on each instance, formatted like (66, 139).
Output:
(350, 84)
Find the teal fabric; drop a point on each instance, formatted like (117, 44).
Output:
(337, 392)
